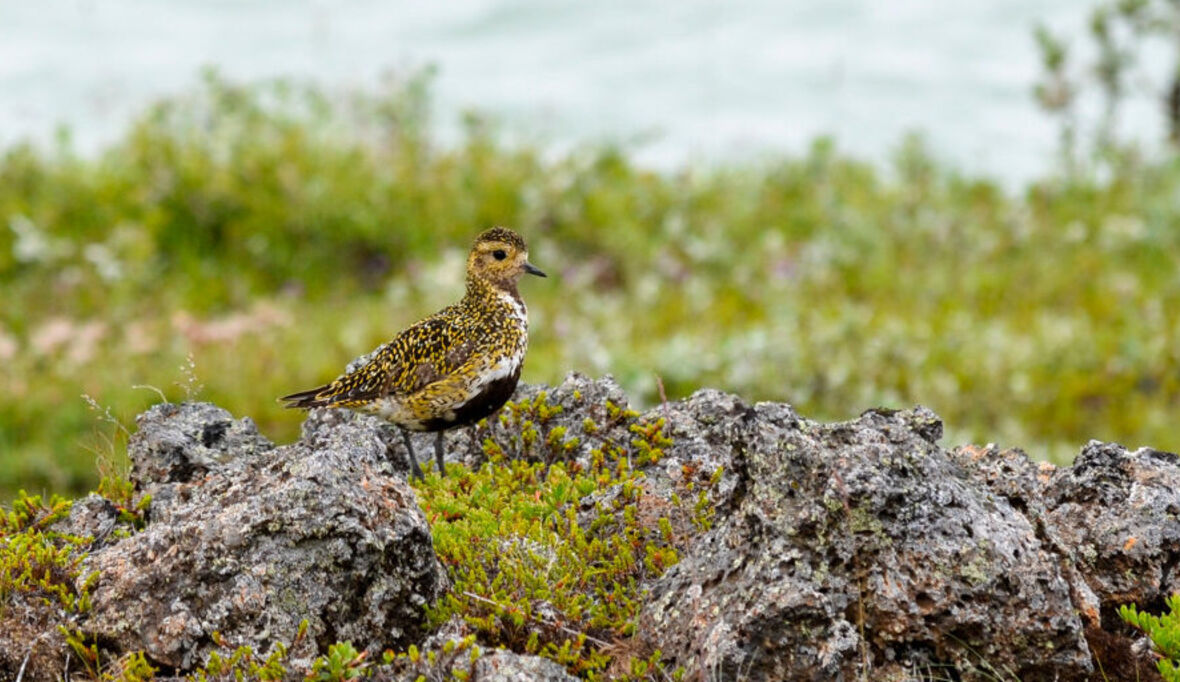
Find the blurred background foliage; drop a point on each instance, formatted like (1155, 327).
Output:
(1126, 43)
(271, 232)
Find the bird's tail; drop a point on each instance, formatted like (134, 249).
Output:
(307, 399)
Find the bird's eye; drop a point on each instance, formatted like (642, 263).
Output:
(499, 254)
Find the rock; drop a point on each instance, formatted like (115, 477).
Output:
(825, 532)
(248, 540)
(855, 550)
(703, 431)
(861, 548)
(92, 516)
(596, 415)
(573, 405)
(179, 443)
(1116, 516)
(1113, 518)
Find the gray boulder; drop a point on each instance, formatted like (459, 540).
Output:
(506, 666)
(247, 540)
(855, 550)
(1115, 515)
(1113, 519)
(861, 548)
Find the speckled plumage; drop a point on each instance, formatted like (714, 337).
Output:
(452, 368)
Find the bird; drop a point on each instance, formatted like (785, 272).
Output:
(452, 368)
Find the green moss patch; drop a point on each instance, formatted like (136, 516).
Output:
(549, 552)
(42, 588)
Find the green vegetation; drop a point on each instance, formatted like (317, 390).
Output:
(546, 554)
(242, 663)
(532, 573)
(258, 237)
(272, 233)
(42, 587)
(1164, 631)
(36, 563)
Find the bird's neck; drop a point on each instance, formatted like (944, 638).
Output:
(479, 289)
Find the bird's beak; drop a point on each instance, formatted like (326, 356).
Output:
(533, 270)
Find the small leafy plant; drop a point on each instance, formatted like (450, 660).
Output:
(549, 542)
(342, 662)
(1164, 631)
(454, 660)
(38, 563)
(243, 663)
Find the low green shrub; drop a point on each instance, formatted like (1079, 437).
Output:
(547, 552)
(38, 563)
(1164, 631)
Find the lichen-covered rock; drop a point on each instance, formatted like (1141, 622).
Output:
(248, 540)
(177, 443)
(92, 516)
(857, 549)
(596, 413)
(506, 666)
(1116, 515)
(1113, 518)
(703, 430)
(589, 410)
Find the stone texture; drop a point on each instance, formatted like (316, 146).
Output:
(92, 516)
(248, 540)
(847, 551)
(1113, 519)
(859, 547)
(178, 443)
(1116, 515)
(505, 666)
(578, 397)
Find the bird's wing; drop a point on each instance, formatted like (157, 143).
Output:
(464, 382)
(421, 355)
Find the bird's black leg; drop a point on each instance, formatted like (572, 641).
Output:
(438, 452)
(415, 470)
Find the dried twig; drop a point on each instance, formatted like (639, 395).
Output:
(21, 673)
(663, 396)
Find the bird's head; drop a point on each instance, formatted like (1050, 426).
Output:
(500, 257)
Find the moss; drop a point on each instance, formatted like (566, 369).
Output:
(42, 588)
(38, 563)
(547, 555)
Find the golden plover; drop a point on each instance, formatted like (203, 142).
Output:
(453, 368)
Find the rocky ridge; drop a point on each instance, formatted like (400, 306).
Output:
(855, 550)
